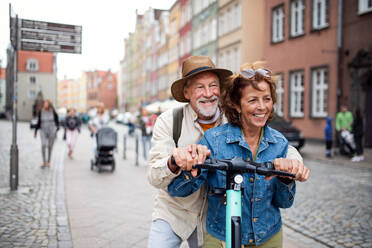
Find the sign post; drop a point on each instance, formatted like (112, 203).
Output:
(13, 22)
(40, 36)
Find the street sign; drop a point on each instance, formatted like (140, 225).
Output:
(12, 27)
(49, 37)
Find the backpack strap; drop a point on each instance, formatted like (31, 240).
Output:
(177, 123)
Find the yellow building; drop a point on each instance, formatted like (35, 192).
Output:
(240, 36)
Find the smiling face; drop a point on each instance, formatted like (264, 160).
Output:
(256, 106)
(203, 91)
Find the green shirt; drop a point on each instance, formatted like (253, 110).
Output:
(344, 120)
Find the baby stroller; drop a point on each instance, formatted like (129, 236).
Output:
(104, 154)
(347, 145)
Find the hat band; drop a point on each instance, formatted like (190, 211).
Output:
(197, 70)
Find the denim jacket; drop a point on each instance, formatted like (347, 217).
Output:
(261, 199)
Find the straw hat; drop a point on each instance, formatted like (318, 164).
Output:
(192, 66)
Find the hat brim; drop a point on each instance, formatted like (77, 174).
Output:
(178, 85)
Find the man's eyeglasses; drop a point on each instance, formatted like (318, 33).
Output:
(250, 73)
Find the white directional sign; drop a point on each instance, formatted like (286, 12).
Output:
(49, 37)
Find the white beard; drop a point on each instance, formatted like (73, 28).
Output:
(207, 111)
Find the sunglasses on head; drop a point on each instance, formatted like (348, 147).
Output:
(250, 73)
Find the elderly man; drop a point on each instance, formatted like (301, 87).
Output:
(176, 219)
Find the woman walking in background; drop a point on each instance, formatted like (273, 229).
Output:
(48, 125)
(357, 128)
(72, 124)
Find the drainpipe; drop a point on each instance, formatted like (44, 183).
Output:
(339, 56)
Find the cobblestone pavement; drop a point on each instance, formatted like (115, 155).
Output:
(35, 214)
(335, 206)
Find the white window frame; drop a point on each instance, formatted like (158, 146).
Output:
(297, 18)
(365, 6)
(31, 94)
(214, 29)
(297, 93)
(279, 106)
(319, 92)
(277, 24)
(32, 79)
(222, 24)
(237, 16)
(229, 20)
(320, 14)
(32, 65)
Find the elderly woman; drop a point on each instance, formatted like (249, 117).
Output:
(248, 102)
(48, 125)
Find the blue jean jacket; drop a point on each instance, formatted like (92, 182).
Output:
(261, 199)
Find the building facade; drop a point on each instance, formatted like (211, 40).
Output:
(101, 89)
(204, 28)
(239, 20)
(355, 51)
(185, 35)
(321, 56)
(36, 74)
(301, 51)
(72, 94)
(173, 45)
(2, 91)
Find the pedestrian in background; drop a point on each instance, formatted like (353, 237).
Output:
(146, 124)
(48, 125)
(72, 126)
(328, 133)
(357, 128)
(344, 120)
(99, 121)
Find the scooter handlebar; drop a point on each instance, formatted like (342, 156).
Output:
(239, 165)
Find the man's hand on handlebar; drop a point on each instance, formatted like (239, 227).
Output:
(292, 166)
(186, 157)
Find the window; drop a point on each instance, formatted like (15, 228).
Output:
(365, 6)
(280, 96)
(237, 15)
(319, 92)
(228, 20)
(297, 94)
(222, 24)
(320, 14)
(32, 79)
(277, 24)
(297, 17)
(32, 95)
(214, 29)
(32, 65)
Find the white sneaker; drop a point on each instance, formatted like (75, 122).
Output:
(355, 159)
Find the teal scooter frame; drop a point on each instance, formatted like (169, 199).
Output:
(234, 169)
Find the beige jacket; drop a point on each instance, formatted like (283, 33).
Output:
(182, 213)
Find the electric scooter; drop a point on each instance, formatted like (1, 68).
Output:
(234, 168)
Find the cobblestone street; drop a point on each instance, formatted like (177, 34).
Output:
(68, 205)
(334, 206)
(35, 214)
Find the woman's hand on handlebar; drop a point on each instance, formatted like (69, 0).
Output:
(292, 166)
